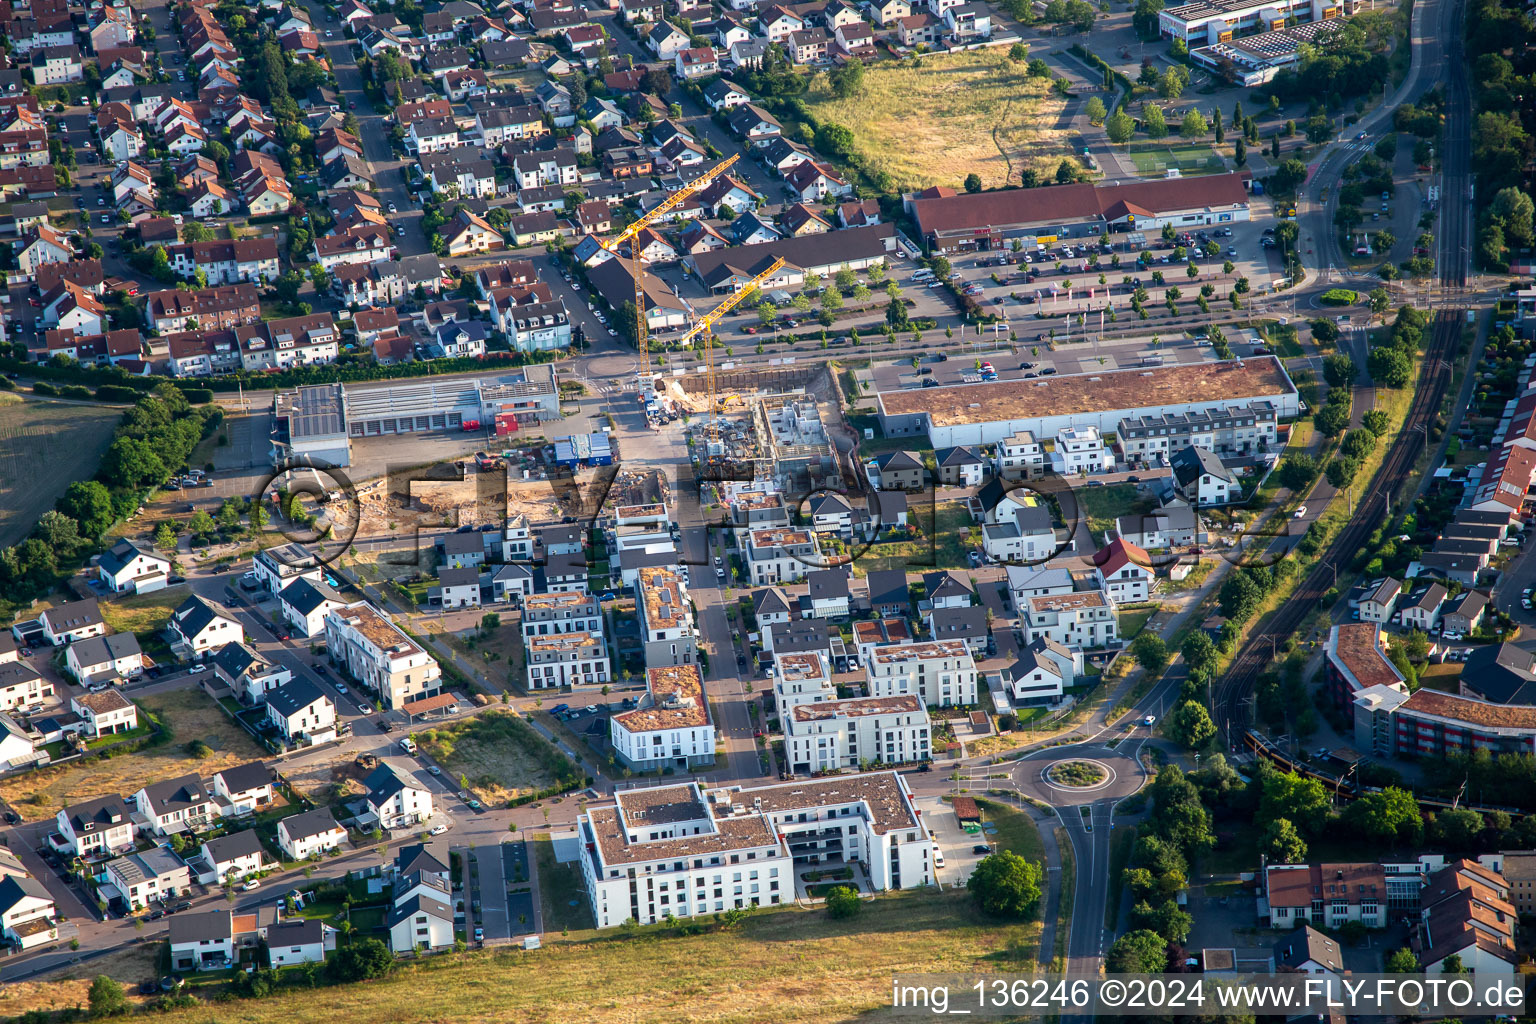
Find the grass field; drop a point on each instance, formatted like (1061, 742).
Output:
(143, 613)
(45, 447)
(71, 987)
(954, 115)
(1134, 618)
(191, 715)
(496, 753)
(1189, 158)
(1101, 506)
(789, 966)
(1119, 857)
(1016, 830)
(944, 529)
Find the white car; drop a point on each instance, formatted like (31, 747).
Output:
(1149, 720)
(938, 856)
(254, 883)
(1301, 511)
(196, 669)
(341, 689)
(438, 830)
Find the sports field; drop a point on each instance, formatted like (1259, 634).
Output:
(45, 447)
(948, 117)
(1188, 157)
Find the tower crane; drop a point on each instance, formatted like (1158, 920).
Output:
(640, 224)
(706, 327)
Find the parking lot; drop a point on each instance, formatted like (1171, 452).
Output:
(959, 850)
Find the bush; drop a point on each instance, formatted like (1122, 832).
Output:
(116, 393)
(45, 389)
(843, 902)
(1339, 297)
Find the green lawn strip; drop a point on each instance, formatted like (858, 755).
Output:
(560, 885)
(1119, 856)
(1016, 830)
(1068, 897)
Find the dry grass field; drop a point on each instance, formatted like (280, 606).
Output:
(953, 115)
(69, 988)
(789, 966)
(491, 753)
(143, 613)
(45, 447)
(191, 714)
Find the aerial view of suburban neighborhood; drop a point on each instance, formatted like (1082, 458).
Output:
(729, 511)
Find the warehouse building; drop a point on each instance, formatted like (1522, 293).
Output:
(990, 412)
(318, 421)
(1044, 216)
(310, 425)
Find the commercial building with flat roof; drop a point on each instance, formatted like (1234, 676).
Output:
(311, 423)
(1254, 60)
(1219, 21)
(994, 220)
(686, 850)
(991, 412)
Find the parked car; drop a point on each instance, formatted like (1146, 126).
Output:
(251, 883)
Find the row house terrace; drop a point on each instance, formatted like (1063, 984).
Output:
(221, 308)
(295, 341)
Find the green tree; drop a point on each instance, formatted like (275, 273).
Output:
(1304, 802)
(1341, 472)
(1190, 725)
(1240, 152)
(1095, 110)
(1193, 126)
(88, 503)
(1137, 952)
(1402, 961)
(766, 313)
(106, 997)
(1380, 298)
(1018, 53)
(1376, 421)
(1006, 885)
(360, 960)
(1453, 965)
(1153, 121)
(1390, 367)
(165, 538)
(1119, 127)
(1290, 174)
(973, 182)
(1171, 85)
(843, 902)
(1282, 844)
(1388, 816)
(1144, 18)
(1457, 831)
(1200, 656)
(848, 80)
(1338, 370)
(1151, 652)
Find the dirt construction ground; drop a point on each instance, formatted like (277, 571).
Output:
(191, 714)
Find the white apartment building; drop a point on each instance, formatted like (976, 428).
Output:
(373, 650)
(829, 735)
(95, 827)
(803, 677)
(666, 620)
(396, 798)
(564, 611)
(1151, 440)
(686, 851)
(1080, 450)
(302, 836)
(566, 659)
(671, 727)
(940, 673)
(779, 555)
(1123, 571)
(21, 684)
(276, 567)
(1020, 456)
(1083, 618)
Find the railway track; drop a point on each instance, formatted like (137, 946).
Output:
(1372, 510)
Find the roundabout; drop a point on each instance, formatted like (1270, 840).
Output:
(1079, 774)
(1069, 776)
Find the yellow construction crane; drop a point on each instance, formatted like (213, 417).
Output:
(640, 224)
(706, 327)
